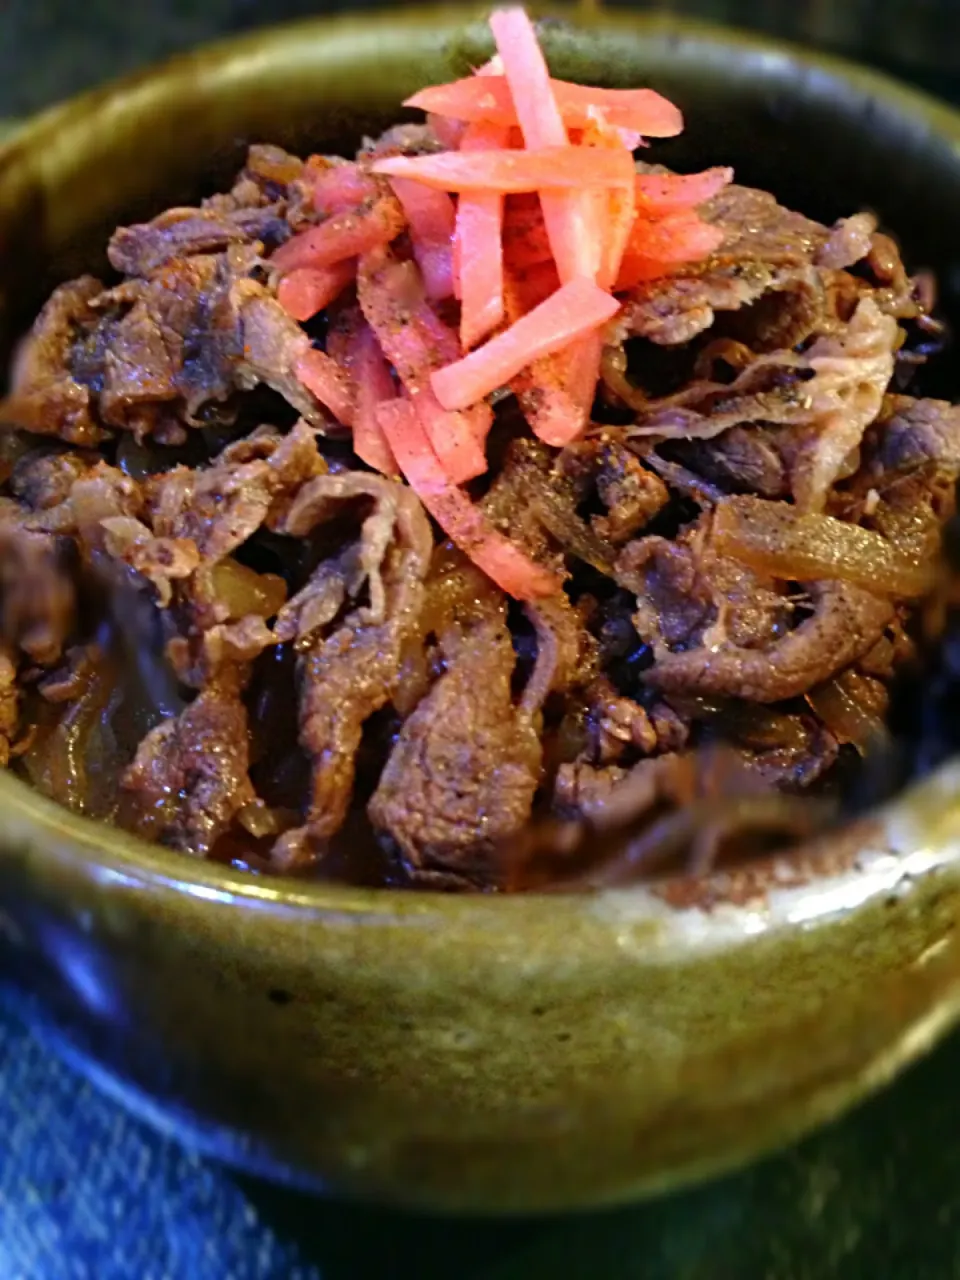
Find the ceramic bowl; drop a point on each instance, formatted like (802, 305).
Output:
(480, 1053)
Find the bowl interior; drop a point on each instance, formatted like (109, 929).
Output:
(825, 137)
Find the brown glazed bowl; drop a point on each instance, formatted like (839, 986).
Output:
(480, 1053)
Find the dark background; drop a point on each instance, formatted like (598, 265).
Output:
(52, 48)
(88, 1194)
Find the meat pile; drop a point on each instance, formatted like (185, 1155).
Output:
(223, 631)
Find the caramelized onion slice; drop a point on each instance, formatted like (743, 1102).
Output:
(848, 717)
(804, 547)
(245, 592)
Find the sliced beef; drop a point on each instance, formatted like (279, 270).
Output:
(158, 352)
(174, 347)
(611, 796)
(466, 765)
(220, 506)
(272, 343)
(845, 624)
(851, 375)
(236, 642)
(60, 369)
(674, 605)
(180, 233)
(767, 250)
(402, 140)
(42, 479)
(350, 662)
(740, 460)
(342, 681)
(612, 825)
(583, 790)
(660, 702)
(190, 776)
(689, 596)
(270, 175)
(38, 598)
(535, 503)
(672, 813)
(896, 293)
(197, 519)
(850, 241)
(9, 703)
(566, 652)
(915, 433)
(96, 494)
(631, 494)
(161, 561)
(787, 750)
(905, 487)
(129, 357)
(828, 395)
(618, 727)
(270, 193)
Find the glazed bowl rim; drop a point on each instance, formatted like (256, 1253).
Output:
(901, 845)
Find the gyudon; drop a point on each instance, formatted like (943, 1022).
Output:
(407, 517)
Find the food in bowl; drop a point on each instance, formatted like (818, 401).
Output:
(438, 516)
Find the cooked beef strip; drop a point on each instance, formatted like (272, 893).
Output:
(631, 494)
(850, 241)
(211, 512)
(157, 352)
(566, 653)
(180, 233)
(198, 518)
(535, 503)
(846, 394)
(9, 702)
(42, 479)
(172, 348)
(220, 506)
(269, 197)
(347, 674)
(190, 776)
(911, 433)
(466, 765)
(905, 487)
(673, 603)
(846, 623)
(740, 460)
(776, 267)
(787, 750)
(618, 726)
(52, 392)
(611, 795)
(270, 173)
(160, 560)
(38, 599)
(689, 596)
(582, 789)
(98, 493)
(767, 249)
(272, 345)
(829, 395)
